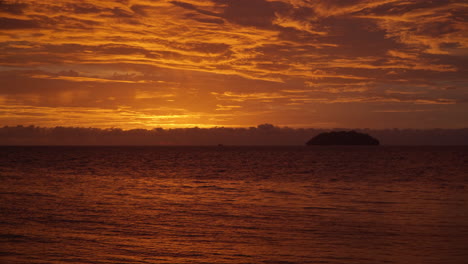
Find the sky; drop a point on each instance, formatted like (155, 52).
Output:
(234, 63)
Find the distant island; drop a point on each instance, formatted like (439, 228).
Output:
(342, 138)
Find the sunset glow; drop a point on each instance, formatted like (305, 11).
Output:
(234, 63)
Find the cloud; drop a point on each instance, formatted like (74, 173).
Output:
(227, 107)
(15, 8)
(83, 79)
(83, 8)
(240, 97)
(269, 57)
(140, 94)
(90, 117)
(254, 13)
(427, 25)
(15, 24)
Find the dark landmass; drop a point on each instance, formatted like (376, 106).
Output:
(265, 134)
(342, 138)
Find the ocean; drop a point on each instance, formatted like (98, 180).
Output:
(271, 205)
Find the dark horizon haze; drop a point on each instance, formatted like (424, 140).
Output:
(264, 134)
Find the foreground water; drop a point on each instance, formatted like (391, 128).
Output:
(234, 205)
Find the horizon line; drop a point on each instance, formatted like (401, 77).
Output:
(260, 126)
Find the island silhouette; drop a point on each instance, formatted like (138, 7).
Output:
(342, 138)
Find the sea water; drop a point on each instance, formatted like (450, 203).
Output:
(234, 205)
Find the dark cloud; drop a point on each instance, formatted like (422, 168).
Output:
(118, 12)
(399, 8)
(184, 5)
(15, 8)
(437, 28)
(65, 48)
(70, 73)
(273, 66)
(12, 23)
(140, 9)
(209, 20)
(84, 8)
(58, 23)
(120, 49)
(189, 6)
(257, 13)
(358, 36)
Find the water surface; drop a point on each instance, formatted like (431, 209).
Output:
(233, 205)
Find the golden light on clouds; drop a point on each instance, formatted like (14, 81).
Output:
(141, 63)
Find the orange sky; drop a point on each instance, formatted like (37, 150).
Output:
(297, 63)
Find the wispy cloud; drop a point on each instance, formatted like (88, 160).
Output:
(213, 57)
